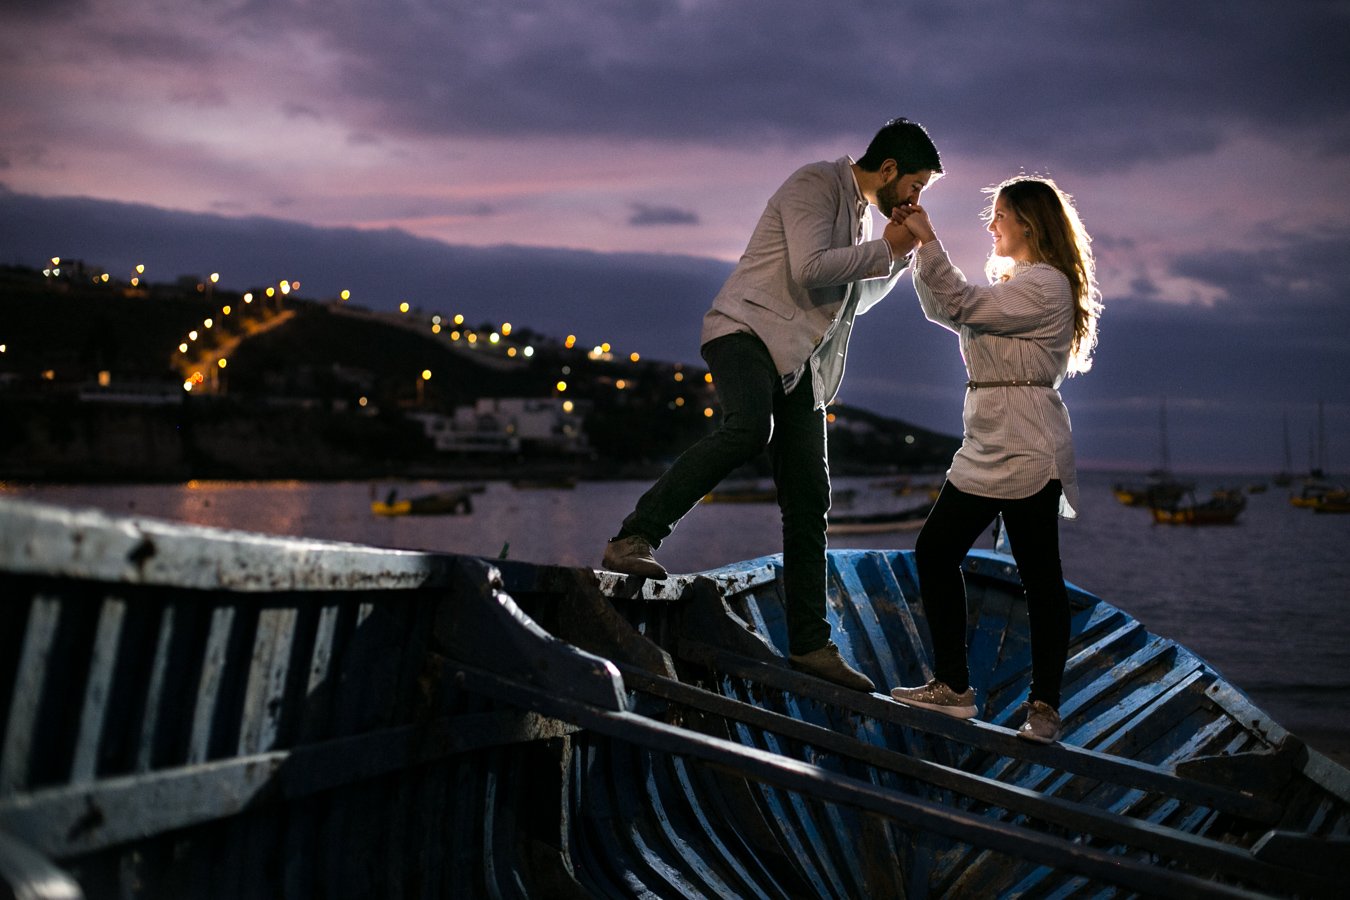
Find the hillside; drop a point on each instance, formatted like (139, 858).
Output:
(93, 374)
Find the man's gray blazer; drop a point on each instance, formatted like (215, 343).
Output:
(803, 269)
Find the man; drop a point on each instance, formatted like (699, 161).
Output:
(775, 341)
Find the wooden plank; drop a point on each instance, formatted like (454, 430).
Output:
(69, 820)
(1039, 802)
(1079, 760)
(801, 778)
(155, 690)
(209, 687)
(265, 692)
(34, 659)
(98, 684)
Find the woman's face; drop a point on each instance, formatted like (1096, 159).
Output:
(1010, 235)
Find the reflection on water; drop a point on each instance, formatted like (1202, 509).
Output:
(1264, 601)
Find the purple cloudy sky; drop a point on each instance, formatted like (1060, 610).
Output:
(596, 166)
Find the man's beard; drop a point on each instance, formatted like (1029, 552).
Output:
(888, 197)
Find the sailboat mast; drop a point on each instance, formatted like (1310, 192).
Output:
(1162, 431)
(1288, 459)
(1321, 440)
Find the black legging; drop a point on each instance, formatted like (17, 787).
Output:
(956, 521)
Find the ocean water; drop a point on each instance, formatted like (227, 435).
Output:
(1265, 601)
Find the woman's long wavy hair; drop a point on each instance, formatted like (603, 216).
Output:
(1057, 237)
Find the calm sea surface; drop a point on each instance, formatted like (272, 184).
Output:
(1267, 601)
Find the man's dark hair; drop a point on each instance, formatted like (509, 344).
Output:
(905, 142)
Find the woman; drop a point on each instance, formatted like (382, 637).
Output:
(1021, 335)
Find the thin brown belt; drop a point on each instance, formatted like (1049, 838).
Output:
(1016, 382)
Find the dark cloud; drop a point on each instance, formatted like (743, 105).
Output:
(45, 9)
(1293, 278)
(1104, 84)
(648, 214)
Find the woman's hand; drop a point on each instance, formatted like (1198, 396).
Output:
(917, 222)
(896, 234)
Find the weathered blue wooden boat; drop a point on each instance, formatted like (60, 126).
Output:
(197, 713)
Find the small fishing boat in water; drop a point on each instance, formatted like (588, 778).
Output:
(1222, 508)
(1161, 487)
(191, 712)
(1334, 501)
(440, 503)
(909, 519)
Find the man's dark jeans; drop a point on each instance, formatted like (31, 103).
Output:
(756, 413)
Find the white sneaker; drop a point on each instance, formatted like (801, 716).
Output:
(937, 696)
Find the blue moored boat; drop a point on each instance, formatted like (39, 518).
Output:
(190, 712)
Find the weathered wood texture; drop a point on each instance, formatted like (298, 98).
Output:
(190, 713)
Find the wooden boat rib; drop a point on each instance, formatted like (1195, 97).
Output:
(191, 712)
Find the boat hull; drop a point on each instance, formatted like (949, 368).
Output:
(198, 713)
